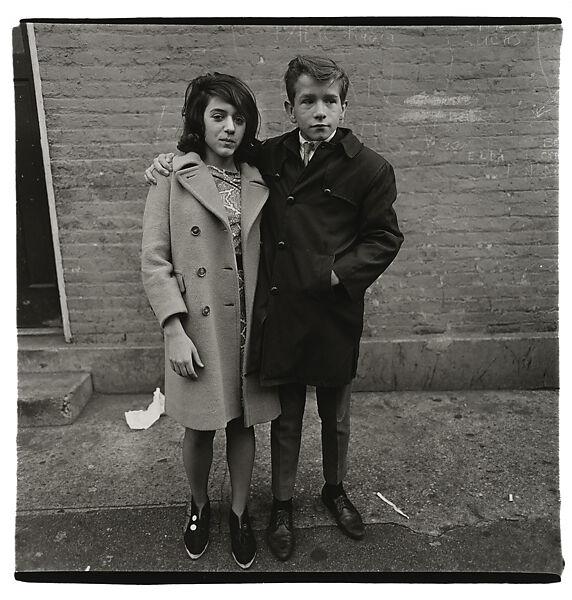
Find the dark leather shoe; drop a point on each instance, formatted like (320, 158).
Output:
(242, 541)
(346, 515)
(280, 533)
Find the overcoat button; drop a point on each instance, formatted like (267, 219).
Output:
(328, 192)
(195, 230)
(290, 200)
(274, 290)
(277, 175)
(201, 271)
(206, 311)
(281, 244)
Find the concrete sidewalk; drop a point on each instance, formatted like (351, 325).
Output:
(96, 496)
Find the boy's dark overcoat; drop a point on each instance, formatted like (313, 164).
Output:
(188, 268)
(335, 214)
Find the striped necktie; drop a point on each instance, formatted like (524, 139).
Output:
(308, 148)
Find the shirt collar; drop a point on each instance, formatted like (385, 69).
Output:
(328, 139)
(342, 136)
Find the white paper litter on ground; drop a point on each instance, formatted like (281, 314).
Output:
(143, 419)
(397, 510)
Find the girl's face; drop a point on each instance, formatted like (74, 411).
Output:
(224, 129)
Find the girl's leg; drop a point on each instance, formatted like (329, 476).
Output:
(197, 458)
(240, 448)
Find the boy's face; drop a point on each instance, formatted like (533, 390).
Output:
(317, 109)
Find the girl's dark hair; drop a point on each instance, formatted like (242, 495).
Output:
(231, 90)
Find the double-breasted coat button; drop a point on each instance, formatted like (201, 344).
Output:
(281, 244)
(201, 271)
(195, 230)
(328, 192)
(206, 311)
(277, 175)
(274, 290)
(290, 200)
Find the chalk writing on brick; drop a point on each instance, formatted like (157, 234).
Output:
(467, 117)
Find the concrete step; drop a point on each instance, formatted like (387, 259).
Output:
(52, 398)
(424, 362)
(115, 369)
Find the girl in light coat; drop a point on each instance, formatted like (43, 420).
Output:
(200, 254)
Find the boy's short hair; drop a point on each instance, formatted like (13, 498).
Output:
(318, 67)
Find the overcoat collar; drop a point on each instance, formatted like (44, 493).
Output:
(194, 175)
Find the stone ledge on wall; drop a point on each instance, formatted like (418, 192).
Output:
(439, 362)
(430, 362)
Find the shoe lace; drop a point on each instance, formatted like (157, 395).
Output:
(342, 502)
(282, 518)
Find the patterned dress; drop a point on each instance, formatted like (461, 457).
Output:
(228, 185)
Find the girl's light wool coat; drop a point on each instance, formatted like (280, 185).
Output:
(189, 268)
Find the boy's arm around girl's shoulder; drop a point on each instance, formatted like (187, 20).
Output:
(378, 236)
(264, 150)
(157, 271)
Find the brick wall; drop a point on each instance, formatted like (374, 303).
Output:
(467, 116)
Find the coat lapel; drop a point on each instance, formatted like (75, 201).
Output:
(194, 176)
(304, 176)
(253, 197)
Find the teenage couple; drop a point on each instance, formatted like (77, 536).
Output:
(255, 258)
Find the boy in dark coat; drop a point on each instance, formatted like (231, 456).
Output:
(329, 230)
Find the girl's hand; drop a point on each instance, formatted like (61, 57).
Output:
(183, 354)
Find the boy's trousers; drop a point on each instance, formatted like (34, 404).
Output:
(286, 433)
